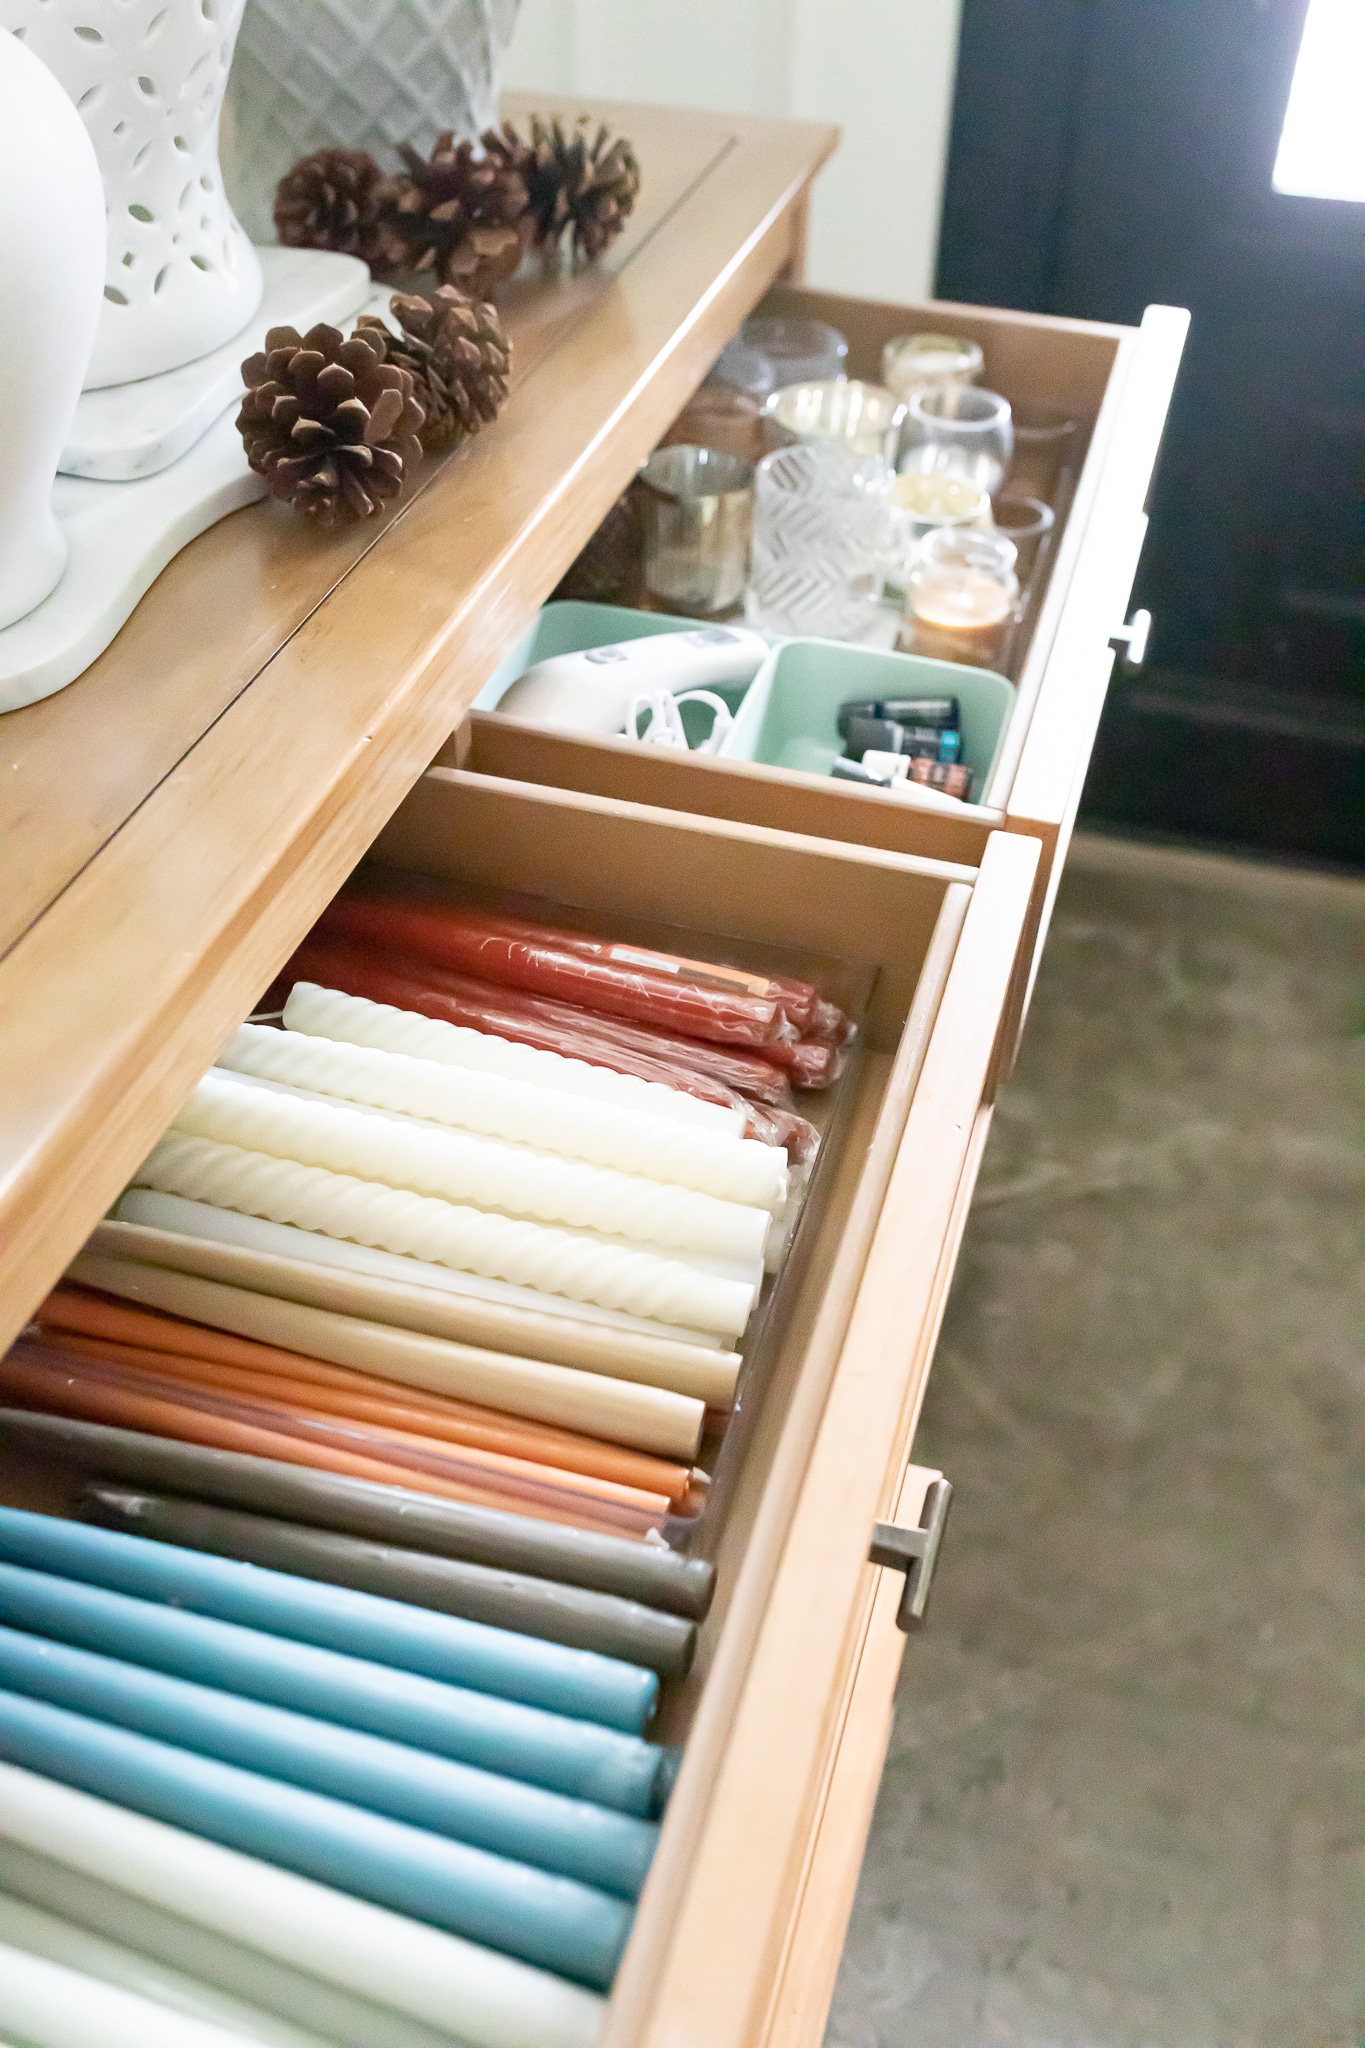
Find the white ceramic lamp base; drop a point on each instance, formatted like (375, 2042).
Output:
(127, 431)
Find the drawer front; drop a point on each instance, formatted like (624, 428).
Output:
(710, 1953)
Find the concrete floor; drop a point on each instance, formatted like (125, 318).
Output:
(1120, 1796)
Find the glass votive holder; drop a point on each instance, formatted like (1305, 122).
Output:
(1027, 522)
(800, 351)
(824, 534)
(960, 597)
(935, 498)
(1045, 438)
(924, 362)
(696, 509)
(865, 419)
(744, 367)
(957, 430)
(723, 417)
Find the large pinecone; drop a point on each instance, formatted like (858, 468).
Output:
(577, 181)
(331, 426)
(339, 199)
(457, 354)
(459, 215)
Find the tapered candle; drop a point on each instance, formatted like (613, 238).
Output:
(327, 1013)
(167, 1942)
(531, 1254)
(647, 1418)
(58, 1940)
(637, 1571)
(54, 2006)
(384, 1287)
(568, 1837)
(579, 1758)
(469, 1653)
(562, 1614)
(74, 1381)
(455, 1168)
(433, 1976)
(554, 1922)
(123, 1334)
(624, 1140)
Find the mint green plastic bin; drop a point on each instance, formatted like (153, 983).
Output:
(788, 718)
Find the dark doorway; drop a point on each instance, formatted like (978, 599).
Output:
(1108, 153)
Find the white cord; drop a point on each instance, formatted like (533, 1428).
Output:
(665, 727)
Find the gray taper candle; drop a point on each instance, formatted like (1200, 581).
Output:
(535, 1607)
(648, 1572)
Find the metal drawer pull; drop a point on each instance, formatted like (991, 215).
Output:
(1130, 642)
(914, 1552)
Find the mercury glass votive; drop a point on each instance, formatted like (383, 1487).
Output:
(960, 597)
(696, 505)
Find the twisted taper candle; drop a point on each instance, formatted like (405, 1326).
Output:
(456, 1168)
(340, 1205)
(326, 1013)
(522, 1112)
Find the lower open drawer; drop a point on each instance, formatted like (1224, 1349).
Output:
(784, 1714)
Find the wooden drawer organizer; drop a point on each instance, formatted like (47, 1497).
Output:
(1117, 382)
(768, 1817)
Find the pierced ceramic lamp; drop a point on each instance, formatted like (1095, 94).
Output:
(51, 264)
(148, 78)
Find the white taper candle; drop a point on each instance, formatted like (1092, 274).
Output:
(52, 2005)
(522, 1112)
(529, 1254)
(433, 1976)
(402, 1153)
(326, 1013)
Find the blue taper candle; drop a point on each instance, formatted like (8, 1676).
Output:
(470, 1653)
(579, 1758)
(568, 1836)
(551, 1921)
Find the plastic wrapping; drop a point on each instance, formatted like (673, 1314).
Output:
(719, 1004)
(714, 1073)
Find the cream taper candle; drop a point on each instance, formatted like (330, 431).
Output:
(326, 1013)
(645, 1418)
(522, 1112)
(496, 2001)
(52, 2005)
(456, 1168)
(341, 1205)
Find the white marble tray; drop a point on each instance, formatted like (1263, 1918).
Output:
(134, 430)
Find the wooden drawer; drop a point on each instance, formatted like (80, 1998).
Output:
(1117, 382)
(785, 1714)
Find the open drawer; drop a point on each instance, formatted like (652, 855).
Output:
(785, 1712)
(1116, 382)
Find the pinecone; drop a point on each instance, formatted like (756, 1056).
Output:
(457, 354)
(579, 181)
(338, 199)
(459, 215)
(331, 426)
(610, 567)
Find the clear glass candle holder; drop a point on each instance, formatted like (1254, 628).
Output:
(958, 430)
(824, 537)
(961, 596)
(1027, 522)
(1045, 441)
(696, 509)
(744, 367)
(800, 351)
(863, 418)
(926, 362)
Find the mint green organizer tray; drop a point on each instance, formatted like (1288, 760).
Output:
(787, 719)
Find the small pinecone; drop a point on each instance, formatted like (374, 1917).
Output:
(578, 181)
(459, 215)
(331, 426)
(457, 355)
(610, 568)
(338, 199)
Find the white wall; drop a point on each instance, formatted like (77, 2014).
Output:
(883, 69)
